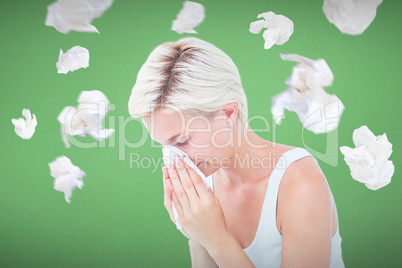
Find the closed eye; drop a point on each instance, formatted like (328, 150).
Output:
(181, 143)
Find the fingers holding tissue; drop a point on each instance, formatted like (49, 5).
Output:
(168, 193)
(168, 188)
(198, 209)
(169, 152)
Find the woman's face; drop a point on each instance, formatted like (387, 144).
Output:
(207, 141)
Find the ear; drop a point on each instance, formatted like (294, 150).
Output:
(230, 111)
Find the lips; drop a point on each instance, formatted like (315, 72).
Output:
(198, 164)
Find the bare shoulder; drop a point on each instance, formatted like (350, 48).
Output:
(304, 194)
(304, 175)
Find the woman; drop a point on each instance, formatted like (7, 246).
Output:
(269, 204)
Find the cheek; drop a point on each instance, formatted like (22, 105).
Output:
(205, 148)
(200, 146)
(210, 144)
(221, 135)
(221, 139)
(200, 141)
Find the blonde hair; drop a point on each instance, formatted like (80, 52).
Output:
(190, 75)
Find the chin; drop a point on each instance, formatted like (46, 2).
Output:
(206, 169)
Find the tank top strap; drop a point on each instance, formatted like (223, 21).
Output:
(268, 215)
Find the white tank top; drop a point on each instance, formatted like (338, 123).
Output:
(266, 248)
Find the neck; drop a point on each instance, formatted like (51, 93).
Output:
(249, 160)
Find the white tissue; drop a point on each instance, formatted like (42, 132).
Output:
(351, 16)
(368, 162)
(169, 152)
(75, 58)
(75, 15)
(189, 17)
(25, 128)
(67, 176)
(87, 118)
(279, 28)
(318, 111)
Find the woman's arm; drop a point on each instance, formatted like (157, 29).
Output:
(228, 253)
(200, 258)
(305, 216)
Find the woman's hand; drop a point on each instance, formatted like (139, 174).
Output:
(198, 208)
(168, 199)
(202, 217)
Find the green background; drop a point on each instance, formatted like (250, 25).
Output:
(118, 219)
